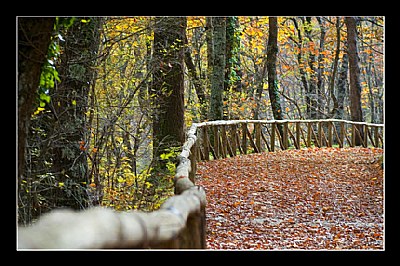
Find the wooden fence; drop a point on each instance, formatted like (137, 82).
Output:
(180, 222)
(221, 139)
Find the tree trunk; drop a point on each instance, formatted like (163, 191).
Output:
(34, 35)
(197, 83)
(342, 87)
(167, 90)
(355, 86)
(272, 50)
(301, 63)
(320, 70)
(371, 98)
(70, 102)
(218, 68)
(331, 86)
(312, 87)
(210, 45)
(378, 83)
(230, 62)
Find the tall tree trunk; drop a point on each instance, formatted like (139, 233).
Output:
(70, 102)
(167, 89)
(378, 83)
(355, 86)
(342, 86)
(320, 70)
(272, 50)
(301, 62)
(370, 89)
(230, 61)
(197, 83)
(331, 86)
(312, 87)
(259, 78)
(34, 35)
(218, 68)
(210, 48)
(366, 66)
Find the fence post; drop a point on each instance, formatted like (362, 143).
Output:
(257, 128)
(233, 141)
(298, 137)
(320, 129)
(376, 136)
(273, 136)
(285, 137)
(216, 141)
(224, 142)
(244, 138)
(309, 128)
(203, 228)
(342, 133)
(365, 141)
(191, 235)
(330, 136)
(206, 146)
(193, 162)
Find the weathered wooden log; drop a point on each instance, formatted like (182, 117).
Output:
(312, 134)
(233, 122)
(101, 227)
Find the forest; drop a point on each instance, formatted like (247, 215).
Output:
(104, 102)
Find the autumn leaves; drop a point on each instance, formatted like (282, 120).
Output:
(310, 199)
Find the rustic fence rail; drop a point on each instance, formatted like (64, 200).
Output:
(180, 222)
(221, 139)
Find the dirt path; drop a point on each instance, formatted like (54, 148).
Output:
(309, 199)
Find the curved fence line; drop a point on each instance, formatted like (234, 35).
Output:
(221, 139)
(180, 222)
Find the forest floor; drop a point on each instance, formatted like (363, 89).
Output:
(308, 199)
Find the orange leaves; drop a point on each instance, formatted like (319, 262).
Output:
(317, 196)
(327, 208)
(310, 212)
(237, 203)
(82, 145)
(291, 220)
(322, 198)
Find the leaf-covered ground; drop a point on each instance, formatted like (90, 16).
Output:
(309, 199)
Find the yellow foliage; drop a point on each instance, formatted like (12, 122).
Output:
(195, 21)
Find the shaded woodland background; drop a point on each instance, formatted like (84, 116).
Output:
(103, 102)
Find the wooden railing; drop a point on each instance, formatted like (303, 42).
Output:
(180, 222)
(221, 139)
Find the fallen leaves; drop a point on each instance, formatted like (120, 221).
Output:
(313, 199)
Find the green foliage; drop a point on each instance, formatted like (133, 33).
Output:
(169, 157)
(49, 75)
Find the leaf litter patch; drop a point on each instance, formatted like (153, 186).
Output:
(308, 199)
